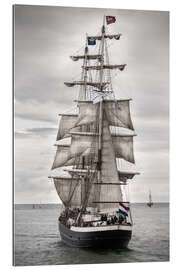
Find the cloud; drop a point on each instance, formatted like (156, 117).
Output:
(46, 112)
(35, 132)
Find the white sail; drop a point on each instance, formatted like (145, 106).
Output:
(126, 170)
(62, 157)
(67, 122)
(87, 113)
(109, 193)
(116, 116)
(123, 147)
(83, 143)
(118, 113)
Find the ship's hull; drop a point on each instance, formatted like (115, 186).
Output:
(107, 236)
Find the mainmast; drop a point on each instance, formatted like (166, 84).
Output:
(101, 103)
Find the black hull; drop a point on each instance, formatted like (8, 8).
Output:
(108, 238)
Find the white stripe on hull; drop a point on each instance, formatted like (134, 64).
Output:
(102, 228)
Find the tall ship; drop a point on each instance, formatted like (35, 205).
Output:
(150, 202)
(94, 154)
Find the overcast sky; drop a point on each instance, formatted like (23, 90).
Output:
(45, 37)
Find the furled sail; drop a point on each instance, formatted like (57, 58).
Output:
(116, 36)
(88, 57)
(125, 175)
(80, 172)
(118, 113)
(69, 190)
(62, 157)
(67, 122)
(101, 86)
(120, 67)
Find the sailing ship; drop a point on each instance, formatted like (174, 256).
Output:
(92, 146)
(150, 203)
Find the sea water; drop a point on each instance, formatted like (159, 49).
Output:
(37, 240)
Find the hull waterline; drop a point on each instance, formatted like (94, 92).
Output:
(97, 238)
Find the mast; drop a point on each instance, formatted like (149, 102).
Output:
(101, 106)
(83, 93)
(101, 102)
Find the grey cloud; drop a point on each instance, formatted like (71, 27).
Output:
(36, 131)
(42, 131)
(36, 111)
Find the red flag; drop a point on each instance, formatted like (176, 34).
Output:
(110, 19)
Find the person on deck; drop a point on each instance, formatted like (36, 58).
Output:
(121, 219)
